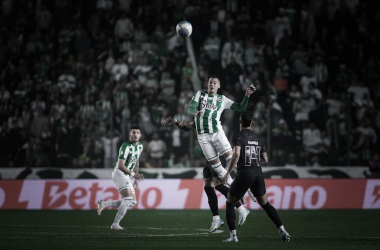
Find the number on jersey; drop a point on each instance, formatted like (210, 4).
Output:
(252, 153)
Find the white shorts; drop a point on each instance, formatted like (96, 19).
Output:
(214, 144)
(121, 180)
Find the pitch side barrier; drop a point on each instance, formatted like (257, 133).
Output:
(183, 173)
(188, 194)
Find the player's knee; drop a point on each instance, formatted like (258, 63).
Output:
(133, 203)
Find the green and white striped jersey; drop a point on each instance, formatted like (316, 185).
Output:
(212, 107)
(130, 153)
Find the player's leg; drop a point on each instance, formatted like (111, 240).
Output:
(128, 201)
(224, 191)
(212, 156)
(119, 180)
(213, 203)
(258, 189)
(103, 204)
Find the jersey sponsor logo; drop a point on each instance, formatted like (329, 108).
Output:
(253, 142)
(132, 159)
(206, 105)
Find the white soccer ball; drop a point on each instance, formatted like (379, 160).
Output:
(184, 29)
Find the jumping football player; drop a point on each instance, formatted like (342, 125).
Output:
(127, 166)
(207, 107)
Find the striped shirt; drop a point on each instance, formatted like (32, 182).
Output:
(130, 153)
(212, 107)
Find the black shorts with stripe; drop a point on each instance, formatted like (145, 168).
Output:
(208, 172)
(245, 180)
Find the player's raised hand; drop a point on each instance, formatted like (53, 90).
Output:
(250, 90)
(225, 178)
(198, 113)
(168, 120)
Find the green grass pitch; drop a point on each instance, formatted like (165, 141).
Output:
(187, 229)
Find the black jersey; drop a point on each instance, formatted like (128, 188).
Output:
(251, 147)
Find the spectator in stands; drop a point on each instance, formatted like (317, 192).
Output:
(39, 121)
(124, 27)
(110, 143)
(281, 22)
(320, 73)
(156, 151)
(120, 69)
(310, 138)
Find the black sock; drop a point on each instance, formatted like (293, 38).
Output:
(224, 191)
(272, 213)
(212, 200)
(230, 216)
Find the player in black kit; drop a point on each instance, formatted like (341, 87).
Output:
(249, 153)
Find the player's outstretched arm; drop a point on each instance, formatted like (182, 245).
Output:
(243, 105)
(188, 126)
(171, 120)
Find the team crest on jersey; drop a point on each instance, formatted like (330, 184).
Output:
(206, 105)
(219, 99)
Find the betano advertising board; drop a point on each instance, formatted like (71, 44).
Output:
(188, 194)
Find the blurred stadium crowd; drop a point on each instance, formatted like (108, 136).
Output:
(75, 75)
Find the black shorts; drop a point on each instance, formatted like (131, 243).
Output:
(208, 172)
(243, 181)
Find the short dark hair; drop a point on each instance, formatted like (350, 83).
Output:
(214, 76)
(246, 118)
(135, 127)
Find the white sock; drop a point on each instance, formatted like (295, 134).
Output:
(122, 209)
(218, 168)
(232, 233)
(115, 203)
(241, 209)
(216, 217)
(281, 228)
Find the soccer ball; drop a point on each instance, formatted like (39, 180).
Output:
(184, 29)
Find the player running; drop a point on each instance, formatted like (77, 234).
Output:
(127, 166)
(211, 181)
(249, 175)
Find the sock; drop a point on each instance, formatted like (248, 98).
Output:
(224, 190)
(240, 209)
(281, 228)
(122, 209)
(218, 168)
(216, 217)
(115, 203)
(228, 161)
(232, 233)
(272, 213)
(212, 200)
(230, 216)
